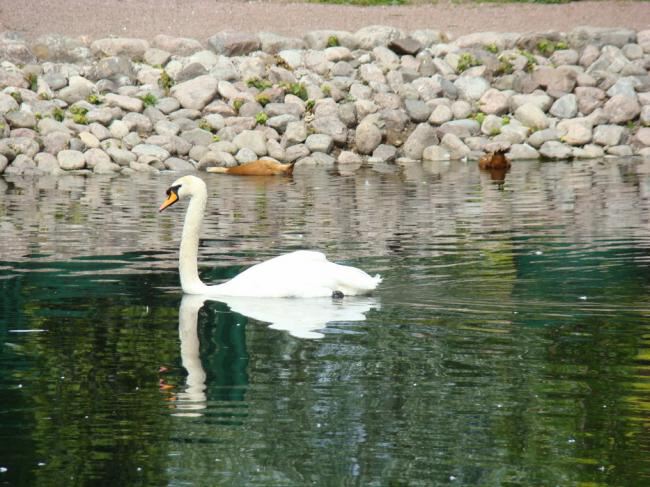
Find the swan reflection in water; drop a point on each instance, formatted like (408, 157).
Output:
(301, 318)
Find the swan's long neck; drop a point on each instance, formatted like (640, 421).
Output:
(187, 262)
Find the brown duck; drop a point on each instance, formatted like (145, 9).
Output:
(494, 160)
(260, 167)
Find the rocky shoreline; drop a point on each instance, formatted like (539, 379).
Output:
(379, 95)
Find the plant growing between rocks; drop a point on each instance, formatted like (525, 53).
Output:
(479, 117)
(204, 125)
(260, 84)
(94, 99)
(263, 99)
(505, 65)
(261, 118)
(79, 114)
(547, 47)
(467, 60)
(32, 80)
(149, 100)
(280, 62)
(531, 62)
(58, 114)
(297, 89)
(237, 103)
(165, 82)
(333, 41)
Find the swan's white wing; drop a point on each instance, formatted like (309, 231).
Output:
(301, 274)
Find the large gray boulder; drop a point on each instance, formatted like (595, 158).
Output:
(376, 35)
(71, 160)
(423, 136)
(608, 135)
(47, 163)
(600, 36)
(522, 151)
(58, 48)
(231, 43)
(367, 137)
(531, 116)
(179, 46)
(331, 125)
(120, 46)
(252, 139)
(555, 150)
(196, 93)
(495, 102)
(14, 49)
(577, 131)
(565, 107)
(622, 108)
(471, 88)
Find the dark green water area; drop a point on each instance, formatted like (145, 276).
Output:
(508, 345)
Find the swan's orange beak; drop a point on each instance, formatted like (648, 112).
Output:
(172, 198)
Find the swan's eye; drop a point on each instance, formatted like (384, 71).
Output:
(172, 197)
(173, 189)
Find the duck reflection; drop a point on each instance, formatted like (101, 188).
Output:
(301, 318)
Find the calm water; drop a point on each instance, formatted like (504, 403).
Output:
(508, 345)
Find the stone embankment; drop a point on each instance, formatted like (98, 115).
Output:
(378, 95)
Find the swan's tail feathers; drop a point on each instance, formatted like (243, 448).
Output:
(354, 281)
(218, 169)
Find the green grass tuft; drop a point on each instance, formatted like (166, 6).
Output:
(94, 99)
(149, 100)
(333, 41)
(479, 117)
(165, 82)
(58, 114)
(17, 96)
(32, 79)
(260, 84)
(79, 114)
(261, 118)
(237, 104)
(466, 61)
(263, 99)
(297, 89)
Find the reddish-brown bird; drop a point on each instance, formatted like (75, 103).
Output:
(260, 167)
(494, 160)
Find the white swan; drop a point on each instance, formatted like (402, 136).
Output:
(300, 274)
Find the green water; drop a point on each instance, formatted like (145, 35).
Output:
(509, 343)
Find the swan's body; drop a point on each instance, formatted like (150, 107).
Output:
(300, 274)
(260, 167)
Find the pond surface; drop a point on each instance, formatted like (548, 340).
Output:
(509, 343)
